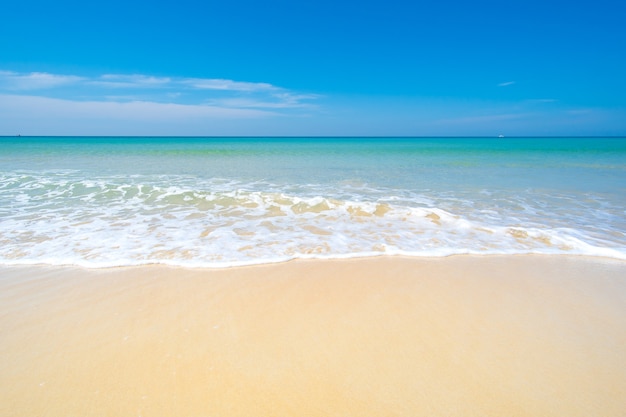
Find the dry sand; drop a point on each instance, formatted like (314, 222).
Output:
(458, 336)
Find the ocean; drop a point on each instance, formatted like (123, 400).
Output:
(218, 202)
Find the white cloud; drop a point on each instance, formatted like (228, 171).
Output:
(146, 81)
(130, 81)
(506, 84)
(35, 80)
(217, 92)
(33, 115)
(296, 99)
(141, 110)
(229, 85)
(274, 101)
(139, 80)
(541, 100)
(39, 103)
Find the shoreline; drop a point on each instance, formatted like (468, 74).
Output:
(519, 335)
(338, 258)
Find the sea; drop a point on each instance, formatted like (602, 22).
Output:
(218, 202)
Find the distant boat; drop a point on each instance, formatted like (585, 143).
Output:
(500, 136)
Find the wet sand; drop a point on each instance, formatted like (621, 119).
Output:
(390, 336)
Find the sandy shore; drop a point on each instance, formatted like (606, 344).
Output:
(457, 336)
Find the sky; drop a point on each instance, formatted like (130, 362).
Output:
(314, 68)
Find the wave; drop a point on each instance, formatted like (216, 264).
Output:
(61, 218)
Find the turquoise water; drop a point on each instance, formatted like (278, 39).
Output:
(217, 202)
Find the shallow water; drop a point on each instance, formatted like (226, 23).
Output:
(215, 202)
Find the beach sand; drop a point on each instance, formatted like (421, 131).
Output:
(388, 336)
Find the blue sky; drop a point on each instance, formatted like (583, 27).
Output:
(313, 68)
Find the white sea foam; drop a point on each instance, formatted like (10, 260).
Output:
(63, 218)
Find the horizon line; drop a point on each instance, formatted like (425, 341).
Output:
(321, 136)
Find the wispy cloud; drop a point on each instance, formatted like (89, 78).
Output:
(273, 101)
(35, 115)
(126, 110)
(47, 103)
(130, 81)
(541, 100)
(506, 84)
(15, 81)
(147, 88)
(227, 85)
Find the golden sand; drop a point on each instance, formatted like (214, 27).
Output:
(459, 336)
